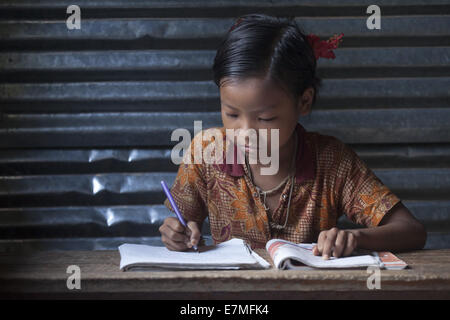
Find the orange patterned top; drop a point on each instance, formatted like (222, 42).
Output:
(331, 180)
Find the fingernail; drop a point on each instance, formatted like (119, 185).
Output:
(325, 257)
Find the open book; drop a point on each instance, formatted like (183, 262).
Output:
(289, 255)
(231, 254)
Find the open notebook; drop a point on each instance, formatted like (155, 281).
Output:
(236, 254)
(232, 254)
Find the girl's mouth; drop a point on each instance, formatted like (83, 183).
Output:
(248, 148)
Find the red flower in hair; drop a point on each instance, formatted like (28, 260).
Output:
(235, 24)
(322, 48)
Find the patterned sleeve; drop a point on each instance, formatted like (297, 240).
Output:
(189, 188)
(362, 196)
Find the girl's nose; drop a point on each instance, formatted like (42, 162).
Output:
(245, 125)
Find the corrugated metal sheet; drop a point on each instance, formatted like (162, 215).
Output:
(86, 115)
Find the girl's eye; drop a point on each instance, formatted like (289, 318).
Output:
(231, 115)
(268, 119)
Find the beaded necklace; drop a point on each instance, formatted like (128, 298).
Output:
(266, 193)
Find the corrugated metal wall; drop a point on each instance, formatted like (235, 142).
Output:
(86, 115)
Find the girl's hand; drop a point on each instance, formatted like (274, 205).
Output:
(336, 242)
(178, 238)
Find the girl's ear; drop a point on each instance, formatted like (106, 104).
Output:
(305, 102)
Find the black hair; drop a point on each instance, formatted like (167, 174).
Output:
(259, 45)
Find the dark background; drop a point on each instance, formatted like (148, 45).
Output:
(86, 115)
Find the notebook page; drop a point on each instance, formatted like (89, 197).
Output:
(303, 253)
(232, 253)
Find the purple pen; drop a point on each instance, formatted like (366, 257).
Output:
(175, 207)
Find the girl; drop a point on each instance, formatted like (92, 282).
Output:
(266, 73)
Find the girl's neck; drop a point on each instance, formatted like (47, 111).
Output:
(286, 153)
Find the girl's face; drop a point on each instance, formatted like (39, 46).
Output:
(257, 103)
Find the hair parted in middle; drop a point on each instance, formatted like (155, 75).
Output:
(259, 45)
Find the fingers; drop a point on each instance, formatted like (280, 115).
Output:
(320, 242)
(328, 244)
(335, 242)
(193, 233)
(351, 244)
(315, 251)
(173, 245)
(340, 243)
(173, 235)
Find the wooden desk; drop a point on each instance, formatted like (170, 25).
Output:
(43, 275)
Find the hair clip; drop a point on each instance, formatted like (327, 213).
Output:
(322, 48)
(235, 24)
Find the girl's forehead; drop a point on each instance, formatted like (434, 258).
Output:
(252, 91)
(250, 83)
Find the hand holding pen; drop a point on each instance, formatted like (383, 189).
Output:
(176, 233)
